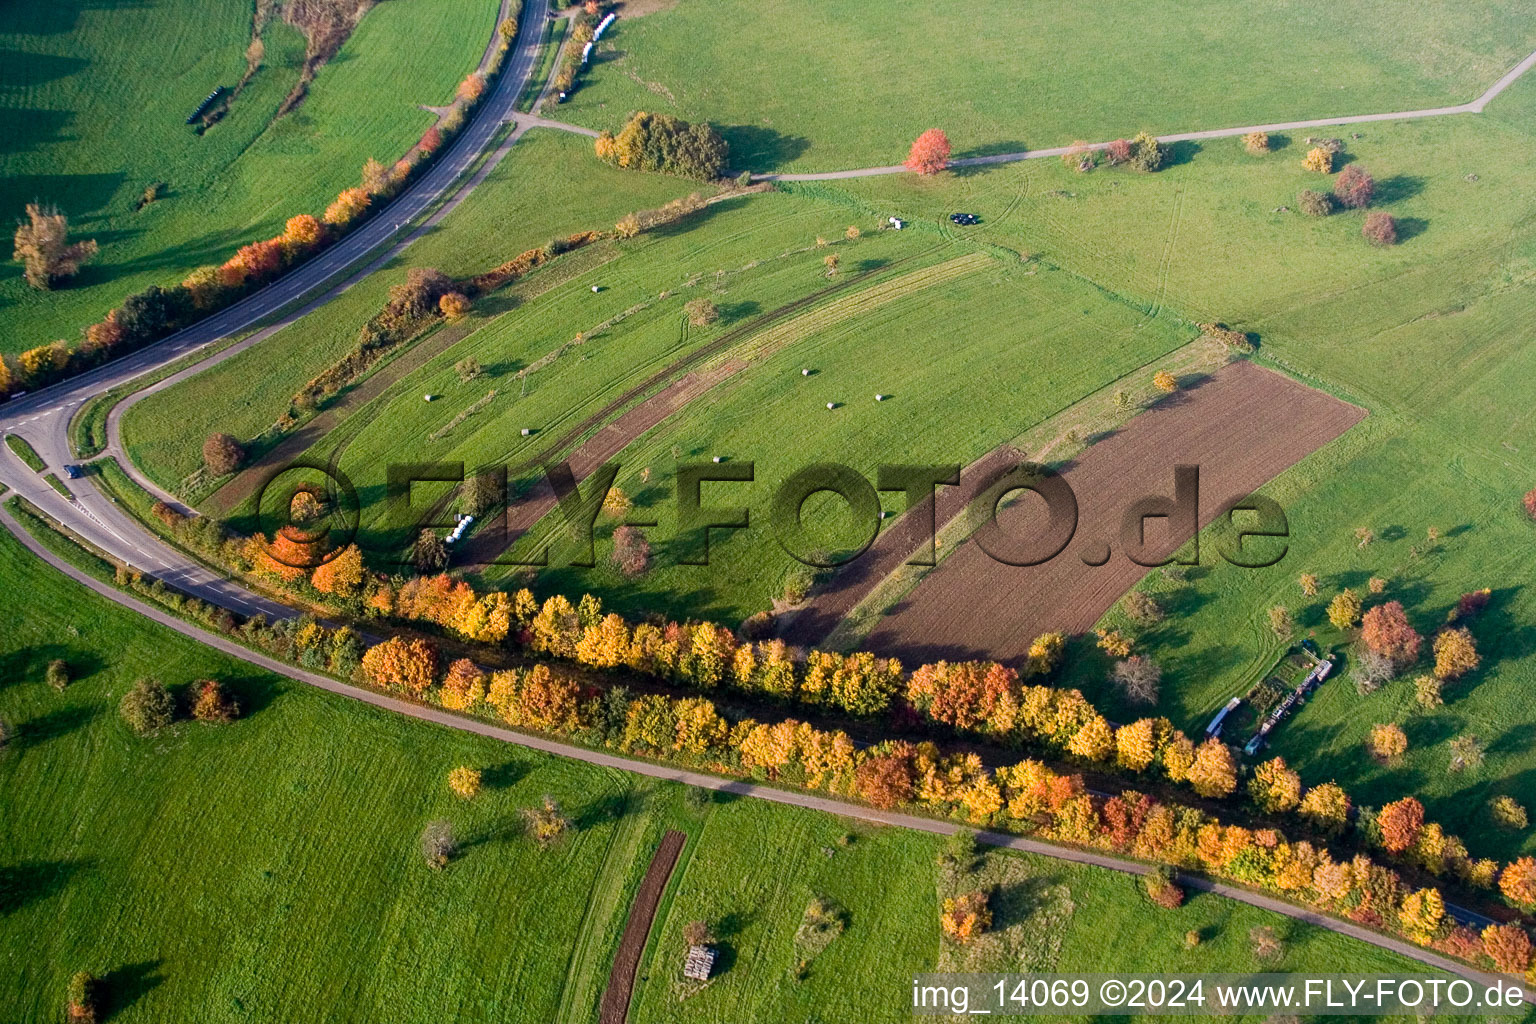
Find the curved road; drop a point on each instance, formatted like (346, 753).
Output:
(43, 419)
(809, 801)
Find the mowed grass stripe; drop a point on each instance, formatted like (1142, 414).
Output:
(778, 337)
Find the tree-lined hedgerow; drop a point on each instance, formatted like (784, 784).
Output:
(667, 144)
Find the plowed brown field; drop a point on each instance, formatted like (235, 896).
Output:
(1241, 426)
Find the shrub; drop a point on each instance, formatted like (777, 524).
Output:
(1165, 382)
(1353, 187)
(701, 312)
(437, 844)
(929, 153)
(1147, 154)
(631, 551)
(148, 706)
(1314, 203)
(1117, 152)
(1266, 943)
(959, 851)
(222, 454)
(1379, 229)
(545, 822)
(80, 1000)
(697, 933)
(1386, 631)
(1428, 691)
(1162, 889)
(1142, 608)
(1387, 743)
(1530, 503)
(1455, 653)
(1256, 142)
(429, 554)
(464, 781)
(1319, 160)
(965, 916)
(468, 368)
(212, 704)
(57, 674)
(454, 305)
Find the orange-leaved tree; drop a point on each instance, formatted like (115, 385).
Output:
(929, 153)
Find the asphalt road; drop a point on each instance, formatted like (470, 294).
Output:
(43, 419)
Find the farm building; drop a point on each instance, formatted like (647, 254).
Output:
(699, 963)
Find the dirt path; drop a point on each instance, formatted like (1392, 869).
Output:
(740, 787)
(621, 982)
(1241, 426)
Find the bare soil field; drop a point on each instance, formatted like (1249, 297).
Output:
(1241, 426)
(621, 981)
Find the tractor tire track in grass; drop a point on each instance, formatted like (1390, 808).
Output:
(1242, 426)
(781, 332)
(637, 930)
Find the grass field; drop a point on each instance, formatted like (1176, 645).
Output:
(523, 203)
(852, 84)
(95, 96)
(265, 868)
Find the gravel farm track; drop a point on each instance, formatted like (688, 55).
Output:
(1241, 426)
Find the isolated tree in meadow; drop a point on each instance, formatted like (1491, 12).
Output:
(1344, 610)
(43, 247)
(1142, 608)
(1162, 889)
(1281, 623)
(148, 706)
(1165, 382)
(1379, 229)
(1428, 691)
(1455, 653)
(701, 312)
(1266, 943)
(1314, 203)
(1386, 631)
(1318, 160)
(1530, 503)
(1467, 754)
(464, 781)
(1387, 742)
(546, 823)
(1508, 813)
(1354, 187)
(1138, 679)
(631, 551)
(1256, 142)
(1400, 823)
(212, 704)
(1308, 583)
(437, 844)
(1372, 671)
(929, 153)
(1376, 585)
(831, 261)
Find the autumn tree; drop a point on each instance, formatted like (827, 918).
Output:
(347, 207)
(464, 781)
(1421, 915)
(660, 142)
(1281, 623)
(1354, 187)
(472, 88)
(1529, 501)
(965, 916)
(454, 306)
(1165, 382)
(222, 454)
(1118, 151)
(1455, 653)
(341, 575)
(1136, 744)
(1137, 678)
(401, 664)
(1518, 882)
(429, 554)
(80, 998)
(1318, 160)
(1387, 742)
(1214, 773)
(43, 247)
(1429, 691)
(1326, 807)
(1467, 753)
(1508, 946)
(1142, 608)
(1508, 813)
(929, 153)
(1162, 889)
(1308, 583)
(1379, 229)
(1275, 787)
(1387, 632)
(1256, 142)
(211, 704)
(1344, 610)
(1400, 823)
(147, 706)
(886, 780)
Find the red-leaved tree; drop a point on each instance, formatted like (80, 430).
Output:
(930, 152)
(1354, 187)
(1386, 631)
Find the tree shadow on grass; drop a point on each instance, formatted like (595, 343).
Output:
(1396, 188)
(31, 663)
(756, 148)
(51, 725)
(1410, 227)
(503, 776)
(124, 986)
(29, 881)
(1181, 152)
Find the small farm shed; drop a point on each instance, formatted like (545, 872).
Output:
(699, 963)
